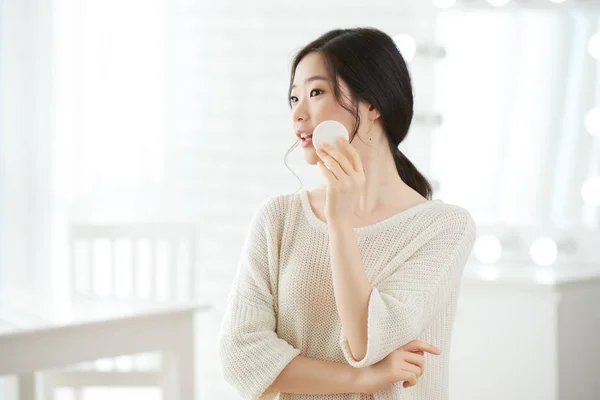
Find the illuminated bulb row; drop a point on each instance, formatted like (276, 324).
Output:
(592, 118)
(543, 251)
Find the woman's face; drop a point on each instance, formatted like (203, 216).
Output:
(313, 101)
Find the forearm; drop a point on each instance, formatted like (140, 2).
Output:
(351, 287)
(304, 375)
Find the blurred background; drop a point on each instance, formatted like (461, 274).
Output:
(138, 137)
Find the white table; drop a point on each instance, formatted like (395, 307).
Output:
(525, 332)
(38, 333)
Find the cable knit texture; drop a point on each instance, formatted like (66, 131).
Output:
(282, 302)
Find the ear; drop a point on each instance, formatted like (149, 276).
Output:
(373, 112)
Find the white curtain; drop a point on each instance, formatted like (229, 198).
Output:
(112, 104)
(26, 114)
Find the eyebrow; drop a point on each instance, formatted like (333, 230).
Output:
(313, 78)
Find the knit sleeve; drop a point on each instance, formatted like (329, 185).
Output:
(250, 352)
(410, 293)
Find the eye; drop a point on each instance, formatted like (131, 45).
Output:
(294, 99)
(316, 90)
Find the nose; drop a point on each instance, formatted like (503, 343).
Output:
(299, 112)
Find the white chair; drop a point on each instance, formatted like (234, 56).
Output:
(119, 265)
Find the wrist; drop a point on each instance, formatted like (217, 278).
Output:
(359, 380)
(364, 380)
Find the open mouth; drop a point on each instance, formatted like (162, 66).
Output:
(306, 142)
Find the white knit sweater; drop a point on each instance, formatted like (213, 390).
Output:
(282, 300)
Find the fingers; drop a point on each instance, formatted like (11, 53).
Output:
(407, 367)
(329, 176)
(414, 359)
(410, 378)
(412, 364)
(332, 166)
(336, 160)
(417, 345)
(411, 367)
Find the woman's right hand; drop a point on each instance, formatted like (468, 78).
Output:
(405, 364)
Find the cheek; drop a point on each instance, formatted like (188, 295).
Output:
(332, 110)
(324, 110)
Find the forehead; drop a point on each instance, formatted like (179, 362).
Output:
(311, 64)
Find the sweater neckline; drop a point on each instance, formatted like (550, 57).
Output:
(367, 229)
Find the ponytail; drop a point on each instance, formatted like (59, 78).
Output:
(410, 174)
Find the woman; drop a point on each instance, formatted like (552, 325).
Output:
(342, 290)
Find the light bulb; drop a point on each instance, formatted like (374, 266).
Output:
(592, 121)
(590, 191)
(488, 249)
(543, 251)
(594, 46)
(407, 45)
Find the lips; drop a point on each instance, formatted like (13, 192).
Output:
(300, 133)
(306, 142)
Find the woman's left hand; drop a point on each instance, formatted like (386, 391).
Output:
(345, 181)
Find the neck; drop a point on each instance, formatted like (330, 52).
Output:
(383, 185)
